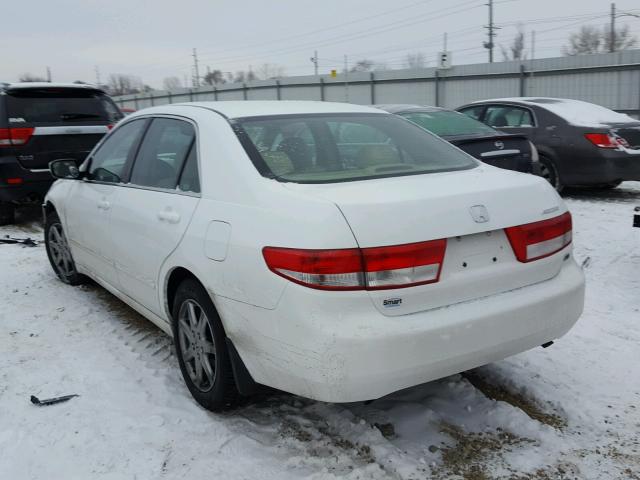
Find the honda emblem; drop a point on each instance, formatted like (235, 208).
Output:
(479, 214)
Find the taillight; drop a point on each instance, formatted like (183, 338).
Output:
(10, 137)
(540, 239)
(602, 140)
(324, 269)
(403, 265)
(110, 126)
(374, 268)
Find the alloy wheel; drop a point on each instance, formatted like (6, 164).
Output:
(60, 252)
(197, 345)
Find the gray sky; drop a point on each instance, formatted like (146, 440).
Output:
(153, 39)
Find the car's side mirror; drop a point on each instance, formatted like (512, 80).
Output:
(65, 168)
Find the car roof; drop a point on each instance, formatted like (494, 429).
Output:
(40, 85)
(400, 107)
(258, 108)
(535, 101)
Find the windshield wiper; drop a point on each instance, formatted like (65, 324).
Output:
(74, 116)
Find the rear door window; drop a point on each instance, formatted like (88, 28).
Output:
(109, 161)
(163, 153)
(190, 179)
(474, 112)
(60, 107)
(500, 116)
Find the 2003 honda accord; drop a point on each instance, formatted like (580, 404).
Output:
(334, 251)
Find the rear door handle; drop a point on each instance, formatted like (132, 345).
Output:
(169, 216)
(104, 205)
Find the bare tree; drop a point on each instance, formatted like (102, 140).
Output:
(27, 77)
(171, 84)
(269, 70)
(515, 51)
(590, 39)
(586, 40)
(364, 65)
(241, 76)
(624, 40)
(214, 77)
(415, 60)
(120, 84)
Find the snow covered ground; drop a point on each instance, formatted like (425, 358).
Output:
(569, 411)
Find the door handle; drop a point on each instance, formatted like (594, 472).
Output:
(104, 205)
(169, 216)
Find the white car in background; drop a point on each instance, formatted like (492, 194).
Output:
(334, 251)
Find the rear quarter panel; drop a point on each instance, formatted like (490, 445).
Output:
(260, 212)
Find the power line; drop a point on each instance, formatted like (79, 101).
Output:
(319, 30)
(375, 30)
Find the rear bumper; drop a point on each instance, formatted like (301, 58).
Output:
(609, 167)
(34, 185)
(341, 349)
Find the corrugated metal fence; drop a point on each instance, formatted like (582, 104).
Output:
(610, 79)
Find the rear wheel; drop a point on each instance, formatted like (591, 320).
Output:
(59, 252)
(549, 172)
(7, 213)
(201, 347)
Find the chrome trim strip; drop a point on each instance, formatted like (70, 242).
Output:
(499, 153)
(71, 130)
(38, 170)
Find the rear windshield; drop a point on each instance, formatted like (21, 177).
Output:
(445, 123)
(344, 147)
(35, 106)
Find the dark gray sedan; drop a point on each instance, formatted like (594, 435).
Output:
(503, 150)
(579, 143)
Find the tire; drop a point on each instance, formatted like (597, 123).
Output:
(609, 186)
(59, 253)
(201, 348)
(549, 172)
(7, 214)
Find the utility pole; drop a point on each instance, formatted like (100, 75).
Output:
(97, 75)
(491, 32)
(48, 75)
(445, 42)
(314, 60)
(346, 79)
(196, 80)
(612, 33)
(533, 44)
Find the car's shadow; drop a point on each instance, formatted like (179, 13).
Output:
(625, 193)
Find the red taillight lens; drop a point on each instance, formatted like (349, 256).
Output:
(324, 269)
(10, 137)
(358, 269)
(110, 127)
(403, 265)
(540, 239)
(15, 181)
(602, 140)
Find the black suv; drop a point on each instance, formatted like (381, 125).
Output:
(40, 122)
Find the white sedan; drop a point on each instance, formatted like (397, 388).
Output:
(334, 251)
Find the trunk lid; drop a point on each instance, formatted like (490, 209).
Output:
(512, 152)
(630, 132)
(479, 260)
